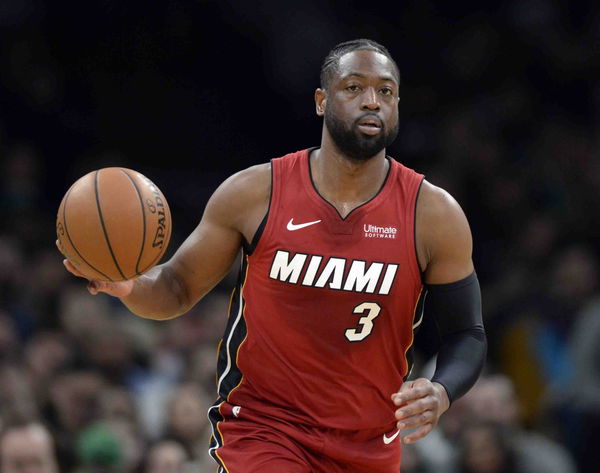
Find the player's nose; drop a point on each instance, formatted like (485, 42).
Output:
(370, 99)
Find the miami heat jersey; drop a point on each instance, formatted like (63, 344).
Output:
(324, 313)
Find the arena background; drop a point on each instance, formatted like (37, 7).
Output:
(499, 105)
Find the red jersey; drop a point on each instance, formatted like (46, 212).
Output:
(323, 316)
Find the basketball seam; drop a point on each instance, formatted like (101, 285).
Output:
(154, 261)
(103, 226)
(71, 241)
(137, 264)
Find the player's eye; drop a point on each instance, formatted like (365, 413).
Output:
(353, 88)
(387, 91)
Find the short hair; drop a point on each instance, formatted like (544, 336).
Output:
(332, 60)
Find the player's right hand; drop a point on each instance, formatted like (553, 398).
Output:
(115, 289)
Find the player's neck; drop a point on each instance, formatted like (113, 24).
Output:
(344, 182)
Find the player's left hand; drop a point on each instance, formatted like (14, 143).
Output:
(421, 403)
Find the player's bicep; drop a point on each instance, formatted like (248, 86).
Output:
(448, 239)
(206, 256)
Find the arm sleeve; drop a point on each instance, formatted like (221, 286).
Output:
(456, 308)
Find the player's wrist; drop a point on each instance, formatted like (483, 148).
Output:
(442, 395)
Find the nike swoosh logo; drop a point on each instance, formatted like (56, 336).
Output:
(292, 227)
(388, 440)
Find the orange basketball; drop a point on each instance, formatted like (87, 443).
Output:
(113, 224)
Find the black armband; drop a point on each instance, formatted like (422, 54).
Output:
(456, 308)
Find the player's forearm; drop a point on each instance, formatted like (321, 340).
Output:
(460, 361)
(456, 308)
(158, 295)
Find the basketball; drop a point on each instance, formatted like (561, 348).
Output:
(113, 224)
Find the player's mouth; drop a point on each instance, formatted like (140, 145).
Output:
(370, 125)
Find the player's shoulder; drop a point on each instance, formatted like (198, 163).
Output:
(435, 201)
(442, 230)
(438, 211)
(242, 192)
(258, 171)
(252, 181)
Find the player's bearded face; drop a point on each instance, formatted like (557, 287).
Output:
(350, 141)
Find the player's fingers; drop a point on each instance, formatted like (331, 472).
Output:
(414, 408)
(93, 287)
(418, 434)
(422, 418)
(57, 243)
(115, 289)
(72, 269)
(411, 393)
(397, 396)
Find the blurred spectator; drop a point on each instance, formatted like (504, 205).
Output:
(43, 289)
(111, 352)
(12, 273)
(74, 402)
(9, 340)
(186, 420)
(535, 344)
(578, 403)
(411, 461)
(27, 447)
(131, 442)
(166, 457)
(20, 179)
(201, 367)
(17, 400)
(118, 412)
(493, 401)
(99, 450)
(484, 447)
(47, 354)
(116, 403)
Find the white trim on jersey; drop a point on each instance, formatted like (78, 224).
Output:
(212, 428)
(228, 344)
(228, 368)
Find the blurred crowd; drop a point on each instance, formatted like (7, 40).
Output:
(116, 393)
(510, 131)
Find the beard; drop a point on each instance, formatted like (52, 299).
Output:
(354, 144)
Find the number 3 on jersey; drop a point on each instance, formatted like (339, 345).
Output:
(365, 323)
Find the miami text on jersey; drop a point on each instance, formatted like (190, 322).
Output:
(376, 278)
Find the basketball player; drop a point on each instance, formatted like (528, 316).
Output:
(340, 245)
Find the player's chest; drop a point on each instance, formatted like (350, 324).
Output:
(366, 255)
(319, 230)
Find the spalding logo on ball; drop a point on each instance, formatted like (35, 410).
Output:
(113, 224)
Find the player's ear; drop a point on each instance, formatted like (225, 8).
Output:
(320, 101)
